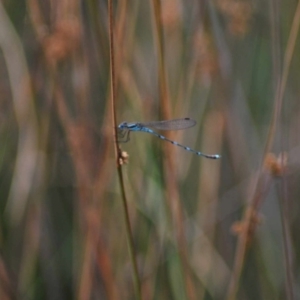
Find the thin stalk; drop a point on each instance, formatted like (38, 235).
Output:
(137, 284)
(285, 73)
(169, 159)
(286, 241)
(242, 248)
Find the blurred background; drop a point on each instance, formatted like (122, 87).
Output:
(201, 228)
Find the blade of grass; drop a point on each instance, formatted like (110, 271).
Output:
(22, 98)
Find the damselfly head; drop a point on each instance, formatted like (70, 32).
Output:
(122, 125)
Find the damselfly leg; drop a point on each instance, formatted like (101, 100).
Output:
(123, 135)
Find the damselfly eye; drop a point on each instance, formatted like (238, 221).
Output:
(122, 125)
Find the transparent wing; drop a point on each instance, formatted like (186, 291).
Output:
(176, 124)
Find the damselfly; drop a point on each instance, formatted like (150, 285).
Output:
(125, 128)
